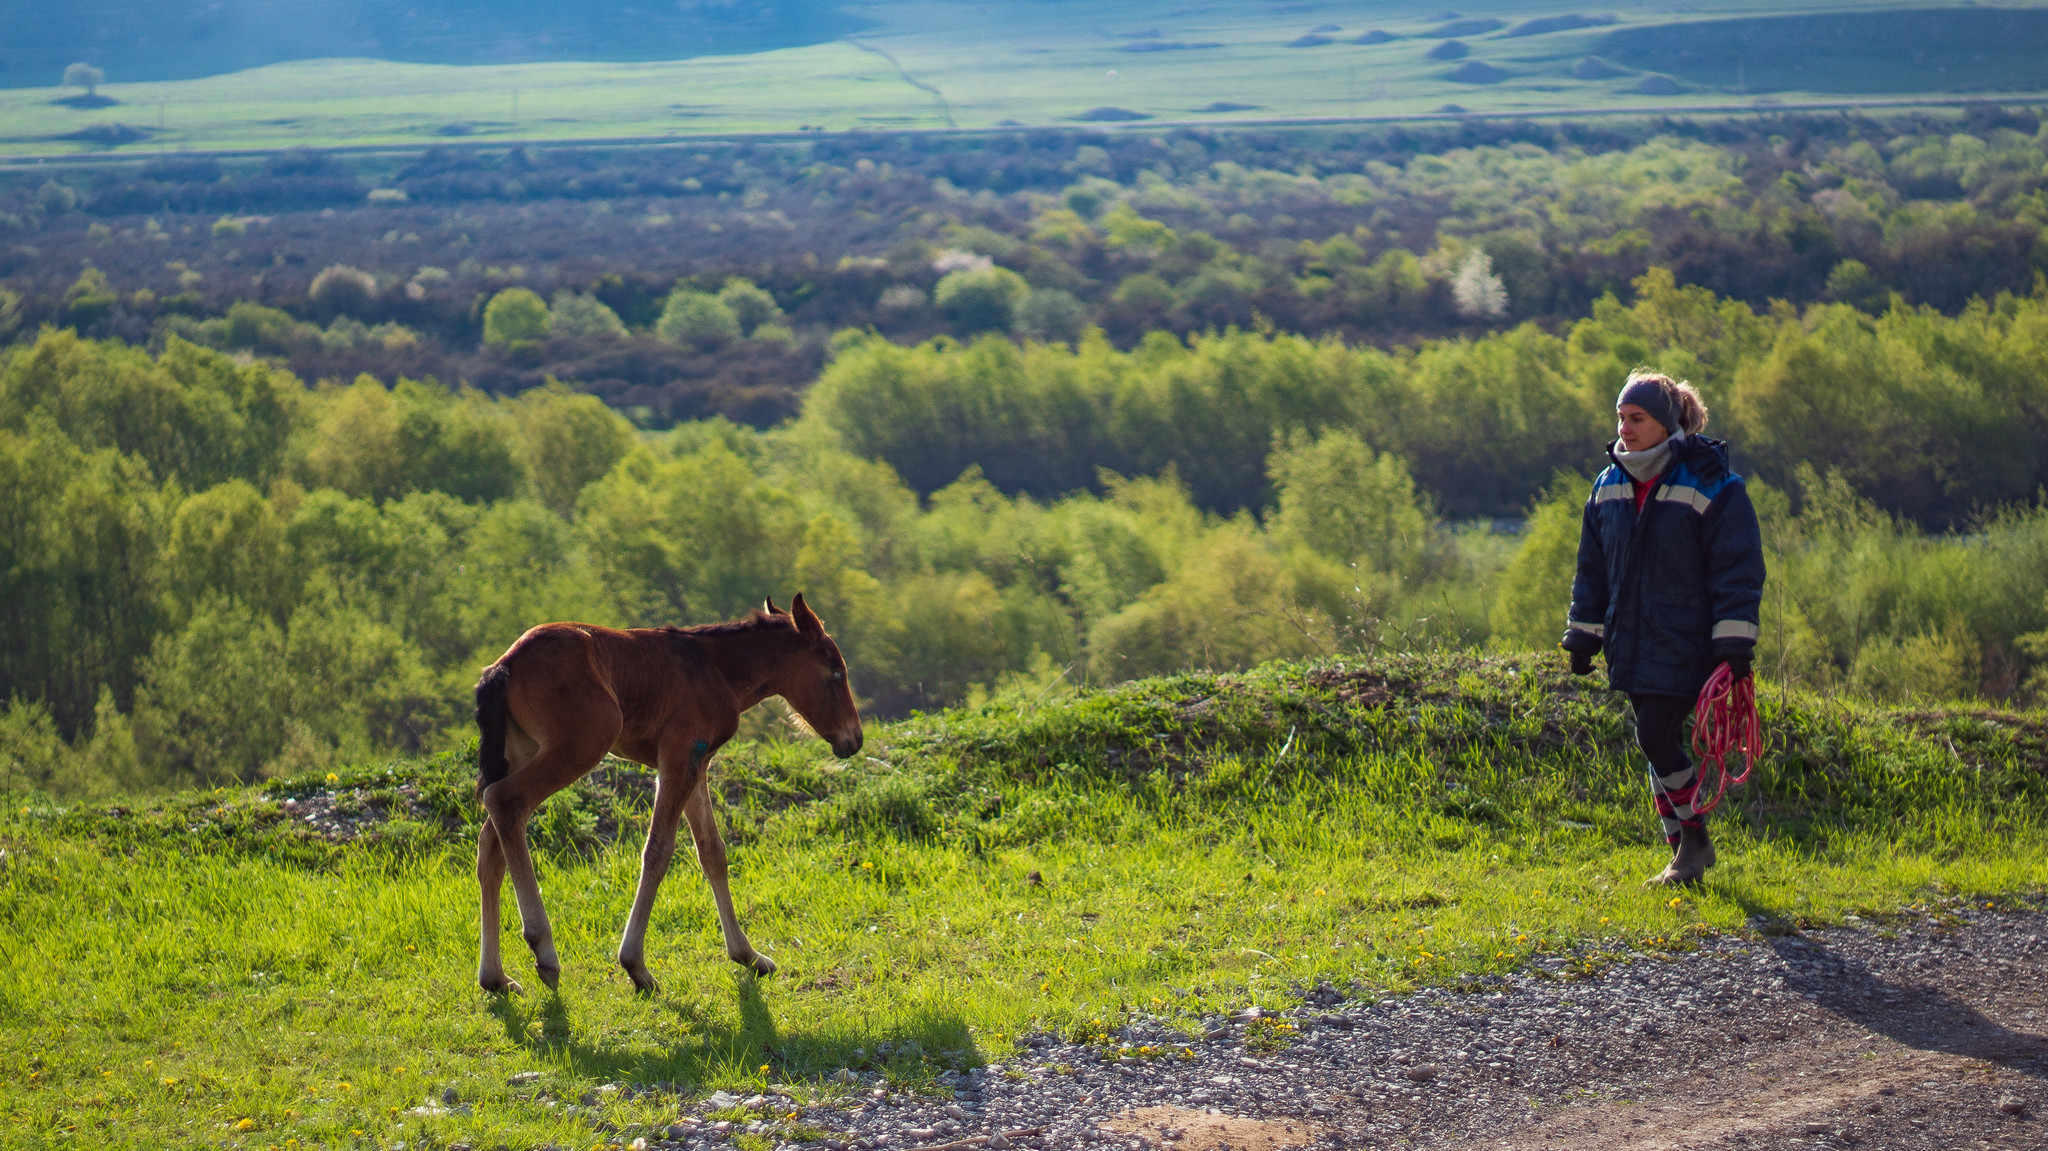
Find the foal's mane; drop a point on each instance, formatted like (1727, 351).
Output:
(756, 620)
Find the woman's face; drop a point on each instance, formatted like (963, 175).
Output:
(1637, 430)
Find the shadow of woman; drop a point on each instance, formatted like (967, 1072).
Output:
(710, 1048)
(1917, 1015)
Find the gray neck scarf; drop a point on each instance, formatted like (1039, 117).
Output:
(1649, 463)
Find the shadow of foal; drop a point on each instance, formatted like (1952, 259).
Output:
(567, 693)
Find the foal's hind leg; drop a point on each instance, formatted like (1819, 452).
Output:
(490, 877)
(711, 857)
(564, 758)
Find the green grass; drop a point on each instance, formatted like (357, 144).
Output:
(172, 970)
(1031, 63)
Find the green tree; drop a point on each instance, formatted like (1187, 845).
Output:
(514, 316)
(697, 320)
(1229, 605)
(751, 306)
(688, 539)
(191, 414)
(340, 290)
(1051, 314)
(980, 299)
(580, 317)
(79, 538)
(212, 705)
(89, 299)
(1344, 502)
(227, 541)
(359, 684)
(83, 75)
(1536, 589)
(569, 441)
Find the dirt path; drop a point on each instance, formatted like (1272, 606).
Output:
(1923, 1036)
(1927, 1036)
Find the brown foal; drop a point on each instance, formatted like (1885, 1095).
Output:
(566, 693)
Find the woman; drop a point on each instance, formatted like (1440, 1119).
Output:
(1671, 571)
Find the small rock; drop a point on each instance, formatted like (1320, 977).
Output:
(678, 1131)
(998, 1143)
(1033, 879)
(522, 1078)
(920, 1132)
(755, 1102)
(953, 1111)
(1816, 1128)
(2012, 1105)
(450, 1095)
(844, 1075)
(1422, 1073)
(720, 1100)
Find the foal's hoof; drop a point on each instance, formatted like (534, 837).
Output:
(643, 983)
(759, 964)
(552, 976)
(501, 986)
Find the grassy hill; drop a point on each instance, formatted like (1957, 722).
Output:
(294, 961)
(939, 64)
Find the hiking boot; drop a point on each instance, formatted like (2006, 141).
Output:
(1689, 865)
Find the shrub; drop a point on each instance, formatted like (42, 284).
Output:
(212, 703)
(1344, 502)
(775, 335)
(1051, 314)
(340, 290)
(89, 298)
(697, 320)
(1931, 666)
(980, 300)
(750, 305)
(1529, 610)
(901, 298)
(56, 198)
(513, 316)
(1478, 292)
(581, 317)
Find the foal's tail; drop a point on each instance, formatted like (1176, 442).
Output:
(491, 765)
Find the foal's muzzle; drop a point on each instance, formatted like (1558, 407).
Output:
(848, 746)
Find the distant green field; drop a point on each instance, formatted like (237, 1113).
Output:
(1043, 64)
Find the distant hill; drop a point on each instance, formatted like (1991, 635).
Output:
(178, 40)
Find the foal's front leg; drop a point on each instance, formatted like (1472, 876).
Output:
(711, 857)
(669, 790)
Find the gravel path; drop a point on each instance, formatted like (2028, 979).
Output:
(1931, 1035)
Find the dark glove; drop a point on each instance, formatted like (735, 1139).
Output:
(1736, 654)
(1583, 646)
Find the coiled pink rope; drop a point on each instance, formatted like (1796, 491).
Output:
(1725, 722)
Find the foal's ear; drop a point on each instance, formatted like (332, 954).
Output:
(807, 620)
(772, 609)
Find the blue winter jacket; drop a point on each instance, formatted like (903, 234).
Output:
(1672, 591)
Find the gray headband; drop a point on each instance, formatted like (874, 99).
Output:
(1650, 396)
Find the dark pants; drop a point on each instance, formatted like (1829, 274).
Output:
(1660, 731)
